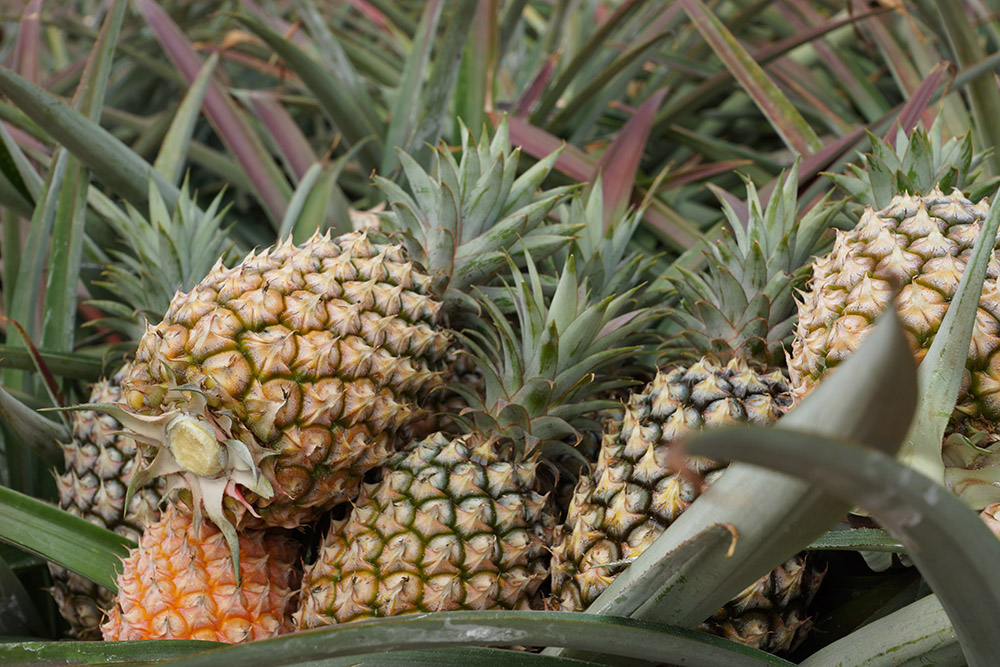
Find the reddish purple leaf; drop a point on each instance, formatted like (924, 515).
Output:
(538, 143)
(277, 71)
(921, 97)
(291, 142)
(43, 369)
(25, 140)
(537, 86)
(669, 225)
(700, 172)
(620, 162)
(376, 17)
(71, 72)
(222, 113)
(28, 37)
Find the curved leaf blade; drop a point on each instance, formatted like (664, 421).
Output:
(114, 163)
(949, 544)
(89, 550)
(628, 638)
(918, 634)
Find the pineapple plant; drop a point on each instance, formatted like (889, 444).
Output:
(276, 384)
(180, 583)
(733, 323)
(169, 252)
(923, 206)
(464, 522)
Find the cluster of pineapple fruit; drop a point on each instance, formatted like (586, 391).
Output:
(302, 389)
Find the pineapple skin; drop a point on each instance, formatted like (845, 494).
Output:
(640, 486)
(98, 467)
(179, 583)
(321, 353)
(922, 244)
(453, 524)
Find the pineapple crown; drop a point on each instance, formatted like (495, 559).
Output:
(462, 218)
(916, 164)
(744, 303)
(542, 375)
(602, 252)
(168, 253)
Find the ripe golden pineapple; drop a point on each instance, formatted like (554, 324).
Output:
(99, 466)
(463, 522)
(913, 236)
(733, 323)
(280, 382)
(168, 253)
(180, 584)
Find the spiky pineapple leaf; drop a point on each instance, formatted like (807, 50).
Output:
(89, 550)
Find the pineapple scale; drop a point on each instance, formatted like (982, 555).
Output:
(321, 353)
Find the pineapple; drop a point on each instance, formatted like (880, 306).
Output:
(912, 236)
(171, 252)
(179, 583)
(278, 383)
(464, 522)
(99, 466)
(734, 323)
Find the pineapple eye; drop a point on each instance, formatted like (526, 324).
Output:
(194, 446)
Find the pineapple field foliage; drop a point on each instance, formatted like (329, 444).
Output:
(592, 187)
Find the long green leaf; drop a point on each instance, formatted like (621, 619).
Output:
(66, 365)
(174, 147)
(89, 550)
(783, 116)
(59, 319)
(948, 542)
(585, 55)
(624, 637)
(111, 161)
(918, 634)
(475, 77)
(435, 102)
(40, 434)
(406, 108)
(982, 90)
(52, 654)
